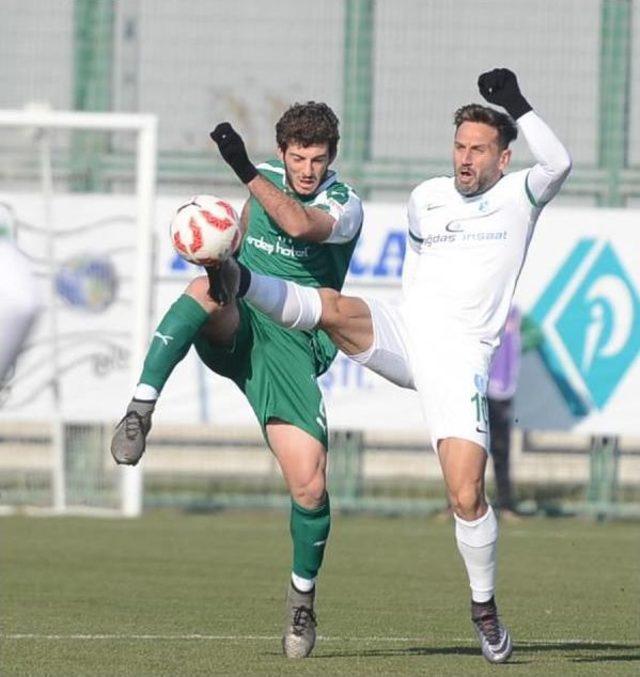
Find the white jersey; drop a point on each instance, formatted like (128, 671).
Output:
(470, 250)
(460, 271)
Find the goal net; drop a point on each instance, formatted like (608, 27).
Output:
(91, 253)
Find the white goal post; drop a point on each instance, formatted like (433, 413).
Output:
(40, 123)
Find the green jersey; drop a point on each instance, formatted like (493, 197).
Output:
(267, 249)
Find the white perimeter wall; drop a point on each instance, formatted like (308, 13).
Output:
(581, 283)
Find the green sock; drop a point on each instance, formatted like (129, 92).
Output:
(309, 531)
(172, 340)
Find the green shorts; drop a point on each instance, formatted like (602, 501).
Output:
(276, 369)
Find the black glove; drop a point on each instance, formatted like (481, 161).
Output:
(500, 86)
(231, 147)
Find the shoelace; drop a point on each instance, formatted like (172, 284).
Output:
(301, 617)
(133, 424)
(490, 627)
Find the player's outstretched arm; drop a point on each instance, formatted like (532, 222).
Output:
(307, 223)
(553, 162)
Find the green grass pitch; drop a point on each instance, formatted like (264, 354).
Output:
(177, 594)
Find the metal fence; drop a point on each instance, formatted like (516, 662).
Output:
(393, 71)
(200, 468)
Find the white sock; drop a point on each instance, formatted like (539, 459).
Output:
(287, 303)
(477, 544)
(145, 392)
(302, 584)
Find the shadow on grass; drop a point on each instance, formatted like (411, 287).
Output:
(591, 651)
(616, 651)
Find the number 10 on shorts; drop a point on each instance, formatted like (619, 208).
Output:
(482, 408)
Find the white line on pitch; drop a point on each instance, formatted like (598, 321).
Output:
(239, 638)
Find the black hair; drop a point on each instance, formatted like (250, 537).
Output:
(501, 122)
(308, 124)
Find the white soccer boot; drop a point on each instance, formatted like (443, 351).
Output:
(494, 637)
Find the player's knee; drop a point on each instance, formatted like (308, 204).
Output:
(198, 289)
(331, 312)
(310, 500)
(468, 502)
(312, 493)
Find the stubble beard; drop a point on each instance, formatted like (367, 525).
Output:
(482, 184)
(291, 184)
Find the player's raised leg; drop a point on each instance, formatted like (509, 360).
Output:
(463, 465)
(193, 312)
(346, 319)
(303, 461)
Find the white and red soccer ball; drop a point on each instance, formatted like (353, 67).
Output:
(205, 230)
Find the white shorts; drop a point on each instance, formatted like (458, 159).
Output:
(451, 381)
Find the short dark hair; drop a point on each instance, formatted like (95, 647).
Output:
(308, 124)
(501, 122)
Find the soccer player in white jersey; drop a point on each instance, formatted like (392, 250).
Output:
(19, 304)
(468, 238)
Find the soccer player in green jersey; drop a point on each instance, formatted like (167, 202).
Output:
(301, 223)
